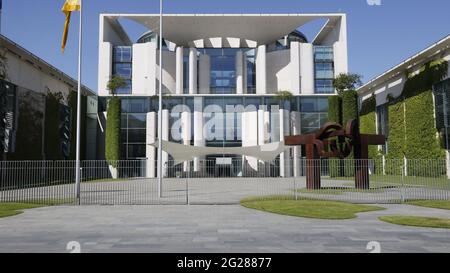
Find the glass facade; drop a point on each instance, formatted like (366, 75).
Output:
(122, 66)
(383, 123)
(223, 69)
(225, 114)
(133, 128)
(324, 69)
(314, 113)
(441, 93)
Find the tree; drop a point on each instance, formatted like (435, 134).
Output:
(112, 140)
(344, 82)
(116, 82)
(284, 96)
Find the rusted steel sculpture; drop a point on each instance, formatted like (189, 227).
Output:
(332, 140)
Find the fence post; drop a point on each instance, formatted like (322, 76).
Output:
(295, 190)
(187, 183)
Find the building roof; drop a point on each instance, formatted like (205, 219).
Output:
(419, 58)
(42, 65)
(182, 29)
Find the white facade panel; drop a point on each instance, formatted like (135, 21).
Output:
(179, 70)
(104, 67)
(307, 68)
(261, 70)
(295, 68)
(143, 69)
(278, 71)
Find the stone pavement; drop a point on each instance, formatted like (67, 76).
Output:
(221, 228)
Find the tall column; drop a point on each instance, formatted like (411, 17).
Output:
(296, 130)
(150, 139)
(205, 74)
(186, 131)
(261, 130)
(285, 164)
(295, 68)
(307, 68)
(261, 70)
(239, 72)
(250, 134)
(179, 70)
(199, 138)
(193, 71)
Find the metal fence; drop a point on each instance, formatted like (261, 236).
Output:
(219, 181)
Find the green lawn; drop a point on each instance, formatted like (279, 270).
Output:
(437, 204)
(308, 208)
(11, 209)
(416, 221)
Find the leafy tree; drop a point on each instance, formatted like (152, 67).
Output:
(116, 82)
(284, 96)
(344, 82)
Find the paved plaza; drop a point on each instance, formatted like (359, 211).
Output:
(209, 228)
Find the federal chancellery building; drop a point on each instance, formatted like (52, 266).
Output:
(220, 78)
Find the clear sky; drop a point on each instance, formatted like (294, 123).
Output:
(379, 36)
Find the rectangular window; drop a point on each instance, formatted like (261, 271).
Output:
(324, 86)
(324, 69)
(383, 123)
(122, 66)
(441, 93)
(323, 53)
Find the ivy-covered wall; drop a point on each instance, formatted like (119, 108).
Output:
(335, 109)
(412, 130)
(349, 106)
(367, 119)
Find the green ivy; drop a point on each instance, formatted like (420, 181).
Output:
(349, 106)
(335, 109)
(112, 152)
(367, 121)
(412, 131)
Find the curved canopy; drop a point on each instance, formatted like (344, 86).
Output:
(183, 29)
(180, 152)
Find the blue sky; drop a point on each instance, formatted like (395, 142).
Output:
(379, 36)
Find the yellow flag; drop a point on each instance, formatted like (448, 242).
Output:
(69, 6)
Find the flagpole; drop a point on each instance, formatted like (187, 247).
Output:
(160, 174)
(77, 167)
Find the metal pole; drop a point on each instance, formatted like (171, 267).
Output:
(160, 175)
(77, 167)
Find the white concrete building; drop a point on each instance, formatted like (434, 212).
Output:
(221, 73)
